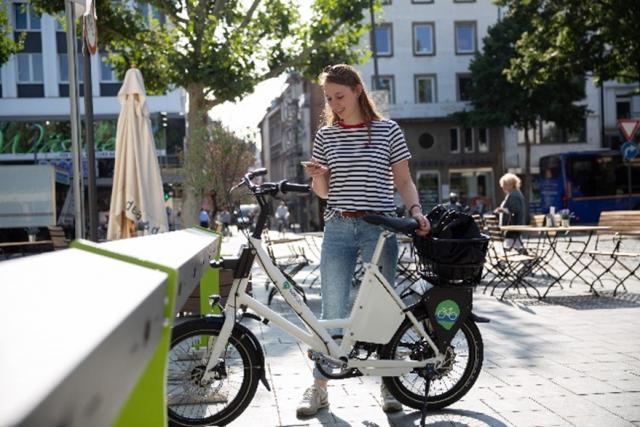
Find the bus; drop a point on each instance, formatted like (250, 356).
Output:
(589, 182)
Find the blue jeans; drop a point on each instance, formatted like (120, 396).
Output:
(343, 238)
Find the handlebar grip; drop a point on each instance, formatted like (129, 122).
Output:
(294, 188)
(257, 172)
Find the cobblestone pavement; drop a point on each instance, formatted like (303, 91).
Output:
(572, 359)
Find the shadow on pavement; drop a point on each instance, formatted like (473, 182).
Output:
(448, 417)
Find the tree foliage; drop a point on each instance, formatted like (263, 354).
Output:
(8, 45)
(217, 163)
(219, 50)
(498, 100)
(577, 37)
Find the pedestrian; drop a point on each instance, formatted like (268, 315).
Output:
(225, 220)
(453, 203)
(357, 158)
(282, 217)
(204, 218)
(512, 210)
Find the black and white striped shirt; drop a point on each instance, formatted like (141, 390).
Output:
(360, 164)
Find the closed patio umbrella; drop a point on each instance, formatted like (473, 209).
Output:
(137, 200)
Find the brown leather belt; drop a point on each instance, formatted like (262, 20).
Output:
(354, 214)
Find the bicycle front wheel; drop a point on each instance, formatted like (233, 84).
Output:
(219, 401)
(454, 378)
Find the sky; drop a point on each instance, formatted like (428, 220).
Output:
(243, 117)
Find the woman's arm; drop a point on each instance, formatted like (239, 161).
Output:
(320, 185)
(320, 178)
(407, 189)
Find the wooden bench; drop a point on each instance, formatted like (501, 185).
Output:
(58, 238)
(623, 224)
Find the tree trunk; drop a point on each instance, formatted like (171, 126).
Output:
(527, 170)
(193, 187)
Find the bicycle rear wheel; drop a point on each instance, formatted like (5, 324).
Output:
(221, 400)
(456, 377)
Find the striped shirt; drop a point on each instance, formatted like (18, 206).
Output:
(361, 177)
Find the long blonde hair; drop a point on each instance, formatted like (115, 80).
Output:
(346, 75)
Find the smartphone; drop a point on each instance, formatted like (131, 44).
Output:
(309, 164)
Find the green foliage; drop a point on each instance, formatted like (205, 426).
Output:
(577, 37)
(8, 46)
(499, 100)
(216, 162)
(226, 47)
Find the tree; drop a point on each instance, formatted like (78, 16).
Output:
(218, 163)
(499, 101)
(219, 50)
(8, 45)
(577, 37)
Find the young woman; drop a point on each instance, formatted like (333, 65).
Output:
(358, 157)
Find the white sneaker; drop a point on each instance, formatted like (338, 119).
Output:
(389, 403)
(313, 399)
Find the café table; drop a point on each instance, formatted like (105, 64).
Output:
(550, 236)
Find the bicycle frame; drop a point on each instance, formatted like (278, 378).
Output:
(375, 296)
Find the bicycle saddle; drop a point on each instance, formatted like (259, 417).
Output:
(398, 225)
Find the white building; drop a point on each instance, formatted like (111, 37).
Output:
(35, 107)
(424, 48)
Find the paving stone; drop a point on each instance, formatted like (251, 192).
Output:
(598, 421)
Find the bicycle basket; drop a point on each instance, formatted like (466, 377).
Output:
(451, 261)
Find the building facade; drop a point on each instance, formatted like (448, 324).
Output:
(35, 107)
(424, 49)
(287, 132)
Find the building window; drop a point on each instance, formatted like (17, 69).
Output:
(464, 87)
(149, 13)
(106, 72)
(454, 138)
(26, 18)
(483, 140)
(63, 67)
(383, 40)
(386, 2)
(464, 1)
(385, 83)
(29, 67)
(468, 140)
(465, 33)
(424, 38)
(421, 1)
(425, 89)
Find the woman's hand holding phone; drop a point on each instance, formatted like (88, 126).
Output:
(313, 168)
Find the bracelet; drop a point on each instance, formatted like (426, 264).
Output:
(415, 206)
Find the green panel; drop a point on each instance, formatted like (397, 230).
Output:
(146, 405)
(210, 281)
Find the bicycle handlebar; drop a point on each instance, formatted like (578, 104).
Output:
(286, 187)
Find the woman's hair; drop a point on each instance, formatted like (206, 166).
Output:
(511, 179)
(346, 75)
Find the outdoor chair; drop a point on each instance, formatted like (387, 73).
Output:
(292, 261)
(505, 266)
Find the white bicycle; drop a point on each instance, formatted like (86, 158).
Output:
(216, 363)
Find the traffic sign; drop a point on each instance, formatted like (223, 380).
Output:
(629, 127)
(629, 150)
(90, 27)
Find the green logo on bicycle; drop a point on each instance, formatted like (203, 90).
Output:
(286, 285)
(447, 313)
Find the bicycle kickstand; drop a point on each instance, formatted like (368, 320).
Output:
(427, 383)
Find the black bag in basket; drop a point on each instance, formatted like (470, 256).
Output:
(454, 251)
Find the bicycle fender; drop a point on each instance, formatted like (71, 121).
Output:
(242, 332)
(479, 319)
